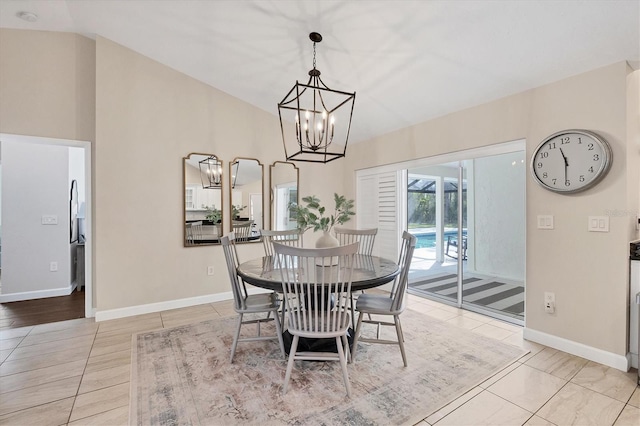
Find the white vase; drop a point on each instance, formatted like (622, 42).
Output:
(327, 240)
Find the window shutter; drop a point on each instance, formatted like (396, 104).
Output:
(379, 205)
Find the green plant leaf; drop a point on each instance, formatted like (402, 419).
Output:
(312, 214)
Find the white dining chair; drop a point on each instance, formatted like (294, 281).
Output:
(366, 238)
(242, 229)
(292, 237)
(245, 303)
(391, 305)
(315, 283)
(193, 232)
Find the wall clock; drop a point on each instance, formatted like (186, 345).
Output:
(571, 161)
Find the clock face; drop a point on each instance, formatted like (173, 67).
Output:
(571, 161)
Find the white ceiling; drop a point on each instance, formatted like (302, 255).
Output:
(407, 61)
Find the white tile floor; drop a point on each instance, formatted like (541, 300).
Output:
(77, 373)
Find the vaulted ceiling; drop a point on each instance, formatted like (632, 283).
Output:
(407, 61)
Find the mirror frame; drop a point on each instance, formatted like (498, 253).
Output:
(184, 199)
(230, 185)
(272, 194)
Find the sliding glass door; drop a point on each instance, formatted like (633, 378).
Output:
(433, 201)
(493, 280)
(469, 218)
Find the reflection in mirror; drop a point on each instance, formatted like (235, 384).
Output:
(203, 181)
(284, 191)
(246, 199)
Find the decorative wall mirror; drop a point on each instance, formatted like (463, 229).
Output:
(246, 183)
(203, 180)
(284, 191)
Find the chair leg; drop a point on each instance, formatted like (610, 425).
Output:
(292, 357)
(343, 364)
(347, 351)
(276, 319)
(368, 315)
(282, 317)
(355, 339)
(396, 319)
(236, 337)
(353, 311)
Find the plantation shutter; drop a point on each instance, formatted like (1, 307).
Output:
(380, 204)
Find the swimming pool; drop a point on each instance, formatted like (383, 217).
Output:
(428, 240)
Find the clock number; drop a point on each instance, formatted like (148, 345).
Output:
(567, 183)
(581, 178)
(564, 140)
(552, 145)
(545, 175)
(596, 157)
(544, 154)
(590, 147)
(539, 165)
(554, 181)
(591, 169)
(579, 141)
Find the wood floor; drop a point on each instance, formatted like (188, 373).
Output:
(42, 311)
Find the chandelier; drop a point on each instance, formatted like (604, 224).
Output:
(210, 172)
(322, 118)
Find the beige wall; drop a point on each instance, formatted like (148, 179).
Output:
(587, 271)
(148, 118)
(47, 83)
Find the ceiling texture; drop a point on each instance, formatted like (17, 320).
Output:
(407, 61)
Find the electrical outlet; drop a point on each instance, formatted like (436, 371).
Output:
(53, 266)
(210, 270)
(549, 302)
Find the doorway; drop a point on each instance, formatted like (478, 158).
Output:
(42, 224)
(469, 219)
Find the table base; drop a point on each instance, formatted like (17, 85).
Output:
(306, 344)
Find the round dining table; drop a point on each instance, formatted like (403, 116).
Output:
(368, 272)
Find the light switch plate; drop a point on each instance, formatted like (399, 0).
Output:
(49, 219)
(545, 221)
(598, 224)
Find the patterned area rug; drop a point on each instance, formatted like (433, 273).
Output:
(183, 376)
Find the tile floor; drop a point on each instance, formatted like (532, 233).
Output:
(77, 372)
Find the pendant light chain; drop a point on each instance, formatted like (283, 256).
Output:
(314, 55)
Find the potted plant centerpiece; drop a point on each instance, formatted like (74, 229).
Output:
(311, 215)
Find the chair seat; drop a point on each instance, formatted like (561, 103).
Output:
(376, 304)
(261, 302)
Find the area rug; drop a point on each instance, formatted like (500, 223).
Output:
(183, 376)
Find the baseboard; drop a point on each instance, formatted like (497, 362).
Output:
(130, 311)
(38, 294)
(620, 362)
